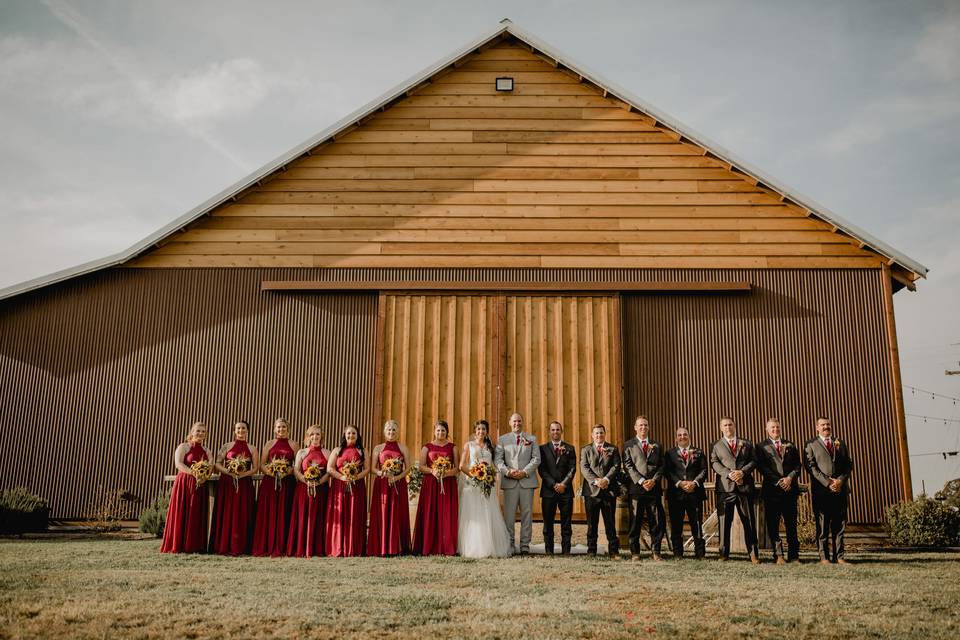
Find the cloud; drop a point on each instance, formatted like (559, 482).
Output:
(221, 89)
(938, 50)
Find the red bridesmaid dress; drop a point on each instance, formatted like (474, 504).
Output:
(389, 512)
(274, 501)
(436, 529)
(185, 530)
(309, 513)
(346, 511)
(232, 529)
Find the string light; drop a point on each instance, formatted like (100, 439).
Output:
(934, 418)
(933, 394)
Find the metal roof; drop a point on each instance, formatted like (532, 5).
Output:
(506, 27)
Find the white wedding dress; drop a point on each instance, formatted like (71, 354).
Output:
(482, 533)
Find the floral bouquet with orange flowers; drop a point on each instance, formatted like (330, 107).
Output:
(236, 466)
(483, 477)
(392, 467)
(351, 470)
(441, 465)
(312, 475)
(279, 468)
(201, 470)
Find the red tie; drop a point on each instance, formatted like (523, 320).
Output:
(556, 450)
(645, 447)
(599, 451)
(733, 447)
(683, 454)
(518, 441)
(829, 444)
(778, 448)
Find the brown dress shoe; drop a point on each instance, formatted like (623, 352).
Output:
(824, 561)
(754, 559)
(723, 558)
(615, 555)
(780, 560)
(635, 557)
(657, 557)
(842, 561)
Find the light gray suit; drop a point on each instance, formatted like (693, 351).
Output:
(523, 457)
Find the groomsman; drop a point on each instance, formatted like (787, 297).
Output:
(733, 461)
(558, 463)
(778, 461)
(600, 466)
(686, 469)
(829, 465)
(517, 458)
(643, 460)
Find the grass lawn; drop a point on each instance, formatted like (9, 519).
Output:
(125, 588)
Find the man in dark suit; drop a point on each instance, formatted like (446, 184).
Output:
(686, 470)
(733, 461)
(558, 464)
(600, 466)
(643, 464)
(778, 461)
(829, 465)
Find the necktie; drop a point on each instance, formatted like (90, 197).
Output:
(518, 440)
(733, 447)
(683, 454)
(644, 443)
(829, 444)
(778, 447)
(556, 450)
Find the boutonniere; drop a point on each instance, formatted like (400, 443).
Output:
(526, 442)
(561, 450)
(836, 443)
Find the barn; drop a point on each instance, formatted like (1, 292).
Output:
(505, 231)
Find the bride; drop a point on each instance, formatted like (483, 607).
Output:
(482, 533)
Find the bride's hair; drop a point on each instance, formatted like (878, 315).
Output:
(486, 438)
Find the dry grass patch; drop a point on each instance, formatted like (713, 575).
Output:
(114, 588)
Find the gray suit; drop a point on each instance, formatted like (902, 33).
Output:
(523, 457)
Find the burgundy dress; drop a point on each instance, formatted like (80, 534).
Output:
(436, 529)
(274, 501)
(185, 530)
(346, 511)
(389, 512)
(232, 529)
(309, 515)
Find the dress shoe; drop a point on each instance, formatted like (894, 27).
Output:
(657, 557)
(780, 560)
(842, 561)
(824, 561)
(635, 557)
(755, 559)
(723, 558)
(795, 561)
(614, 555)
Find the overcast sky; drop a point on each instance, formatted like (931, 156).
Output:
(119, 116)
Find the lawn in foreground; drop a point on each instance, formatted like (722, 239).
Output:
(122, 588)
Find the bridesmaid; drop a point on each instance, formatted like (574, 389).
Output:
(347, 503)
(232, 529)
(437, 512)
(307, 530)
(275, 497)
(390, 507)
(186, 527)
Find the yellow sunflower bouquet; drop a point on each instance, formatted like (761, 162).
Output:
(201, 470)
(483, 477)
(351, 470)
(441, 465)
(236, 466)
(312, 475)
(392, 467)
(279, 468)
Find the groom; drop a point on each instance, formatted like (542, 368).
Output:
(517, 459)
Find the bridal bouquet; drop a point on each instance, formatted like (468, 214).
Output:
(236, 466)
(393, 467)
(312, 475)
(279, 468)
(351, 470)
(441, 465)
(483, 477)
(201, 471)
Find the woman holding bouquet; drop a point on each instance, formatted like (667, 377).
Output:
(347, 502)
(186, 527)
(275, 497)
(389, 509)
(232, 529)
(309, 515)
(436, 529)
(482, 533)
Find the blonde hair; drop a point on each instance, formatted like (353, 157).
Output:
(313, 427)
(198, 423)
(393, 422)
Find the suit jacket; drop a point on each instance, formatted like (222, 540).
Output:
(555, 470)
(723, 462)
(695, 469)
(640, 467)
(822, 466)
(525, 457)
(594, 466)
(773, 467)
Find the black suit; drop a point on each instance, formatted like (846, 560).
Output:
(681, 503)
(731, 495)
(829, 508)
(597, 501)
(639, 466)
(557, 470)
(774, 466)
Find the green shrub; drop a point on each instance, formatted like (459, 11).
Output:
(154, 516)
(950, 494)
(923, 522)
(414, 481)
(22, 511)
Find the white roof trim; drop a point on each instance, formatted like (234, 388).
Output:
(401, 89)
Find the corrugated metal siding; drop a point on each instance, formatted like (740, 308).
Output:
(114, 367)
(800, 345)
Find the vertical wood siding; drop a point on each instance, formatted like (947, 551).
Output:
(115, 367)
